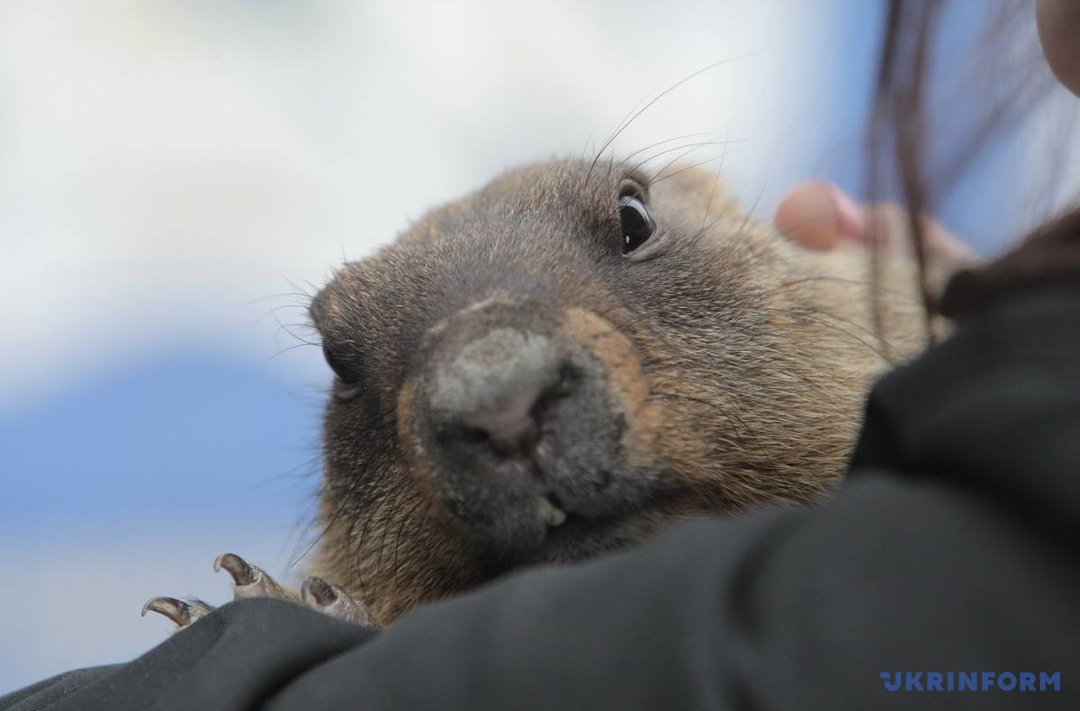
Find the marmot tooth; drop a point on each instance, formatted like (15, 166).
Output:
(549, 513)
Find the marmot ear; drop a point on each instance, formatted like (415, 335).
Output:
(1050, 253)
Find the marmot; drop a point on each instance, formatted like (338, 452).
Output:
(565, 362)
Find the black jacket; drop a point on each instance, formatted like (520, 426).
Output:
(951, 550)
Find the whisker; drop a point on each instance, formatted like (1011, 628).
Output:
(657, 144)
(627, 122)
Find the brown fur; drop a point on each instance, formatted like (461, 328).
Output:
(734, 362)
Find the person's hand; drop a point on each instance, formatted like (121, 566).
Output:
(819, 216)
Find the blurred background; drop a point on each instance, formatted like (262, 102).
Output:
(177, 177)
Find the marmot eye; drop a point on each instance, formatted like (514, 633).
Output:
(637, 224)
(342, 370)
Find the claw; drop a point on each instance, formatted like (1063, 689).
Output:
(320, 595)
(249, 580)
(181, 612)
(316, 591)
(237, 567)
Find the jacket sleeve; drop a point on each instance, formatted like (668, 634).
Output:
(941, 553)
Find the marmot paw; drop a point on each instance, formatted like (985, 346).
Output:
(251, 581)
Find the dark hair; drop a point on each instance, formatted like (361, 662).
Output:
(900, 123)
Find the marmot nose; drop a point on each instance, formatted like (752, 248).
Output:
(492, 397)
(510, 425)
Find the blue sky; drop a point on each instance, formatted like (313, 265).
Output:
(177, 435)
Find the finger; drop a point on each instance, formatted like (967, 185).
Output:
(818, 215)
(889, 225)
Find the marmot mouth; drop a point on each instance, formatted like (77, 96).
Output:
(574, 536)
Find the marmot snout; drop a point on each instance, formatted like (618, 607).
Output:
(568, 360)
(524, 417)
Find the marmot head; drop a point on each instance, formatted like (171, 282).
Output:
(572, 358)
